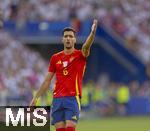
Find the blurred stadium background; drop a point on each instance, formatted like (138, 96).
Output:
(117, 80)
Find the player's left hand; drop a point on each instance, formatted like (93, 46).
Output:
(94, 26)
(33, 102)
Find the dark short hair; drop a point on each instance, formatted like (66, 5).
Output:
(69, 29)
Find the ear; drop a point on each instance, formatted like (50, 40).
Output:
(75, 40)
(62, 40)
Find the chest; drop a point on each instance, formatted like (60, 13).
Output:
(66, 62)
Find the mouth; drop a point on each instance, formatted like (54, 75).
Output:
(68, 42)
(68, 45)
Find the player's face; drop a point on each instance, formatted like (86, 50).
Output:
(69, 39)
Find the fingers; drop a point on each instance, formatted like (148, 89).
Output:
(94, 26)
(32, 103)
(95, 21)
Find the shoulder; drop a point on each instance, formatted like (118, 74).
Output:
(79, 53)
(57, 54)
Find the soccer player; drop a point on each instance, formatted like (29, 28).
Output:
(69, 66)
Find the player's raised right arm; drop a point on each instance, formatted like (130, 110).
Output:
(45, 85)
(89, 41)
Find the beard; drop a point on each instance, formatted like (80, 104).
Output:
(68, 47)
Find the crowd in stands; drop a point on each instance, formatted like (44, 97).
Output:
(128, 18)
(113, 98)
(22, 70)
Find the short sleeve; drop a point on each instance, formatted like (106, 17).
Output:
(82, 56)
(52, 67)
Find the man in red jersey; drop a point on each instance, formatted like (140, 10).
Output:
(69, 66)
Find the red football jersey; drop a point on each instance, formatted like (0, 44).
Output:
(69, 69)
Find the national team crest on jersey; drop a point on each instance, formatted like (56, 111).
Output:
(71, 59)
(65, 63)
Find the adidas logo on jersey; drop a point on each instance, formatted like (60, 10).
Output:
(59, 62)
(74, 118)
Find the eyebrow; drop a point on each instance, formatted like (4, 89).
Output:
(68, 35)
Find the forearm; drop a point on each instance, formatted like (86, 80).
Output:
(89, 40)
(44, 87)
(87, 45)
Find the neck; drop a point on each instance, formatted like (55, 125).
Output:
(68, 51)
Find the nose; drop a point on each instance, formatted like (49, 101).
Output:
(68, 38)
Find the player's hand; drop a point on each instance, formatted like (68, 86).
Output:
(94, 26)
(33, 102)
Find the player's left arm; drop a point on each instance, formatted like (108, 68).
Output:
(87, 45)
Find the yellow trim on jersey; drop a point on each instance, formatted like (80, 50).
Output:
(84, 70)
(77, 91)
(77, 88)
(78, 101)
